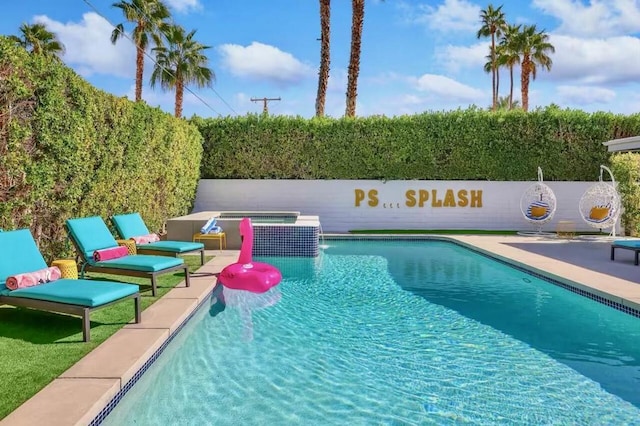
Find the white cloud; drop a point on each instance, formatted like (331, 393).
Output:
(88, 46)
(157, 97)
(410, 100)
(264, 62)
(184, 6)
(448, 88)
(600, 18)
(595, 61)
(241, 98)
(197, 101)
(338, 80)
(395, 105)
(452, 15)
(631, 105)
(455, 58)
(578, 60)
(387, 77)
(585, 94)
(243, 104)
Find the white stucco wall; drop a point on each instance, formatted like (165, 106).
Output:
(334, 201)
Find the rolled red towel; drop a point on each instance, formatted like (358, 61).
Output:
(110, 253)
(29, 279)
(146, 239)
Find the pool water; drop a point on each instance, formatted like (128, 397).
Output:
(279, 219)
(395, 332)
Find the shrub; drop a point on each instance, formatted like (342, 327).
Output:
(68, 149)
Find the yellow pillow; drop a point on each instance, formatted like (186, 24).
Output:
(598, 213)
(538, 211)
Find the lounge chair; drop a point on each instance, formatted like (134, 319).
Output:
(131, 225)
(91, 233)
(626, 245)
(19, 254)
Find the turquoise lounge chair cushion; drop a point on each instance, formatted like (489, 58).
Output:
(627, 243)
(130, 225)
(142, 262)
(90, 234)
(76, 292)
(18, 254)
(173, 246)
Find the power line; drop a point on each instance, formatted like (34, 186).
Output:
(149, 56)
(264, 101)
(225, 102)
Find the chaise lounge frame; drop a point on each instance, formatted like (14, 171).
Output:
(87, 267)
(636, 251)
(141, 250)
(83, 311)
(66, 308)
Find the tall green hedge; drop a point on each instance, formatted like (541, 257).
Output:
(626, 170)
(68, 150)
(470, 144)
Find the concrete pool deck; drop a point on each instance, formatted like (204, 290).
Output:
(81, 392)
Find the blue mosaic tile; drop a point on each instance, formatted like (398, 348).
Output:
(102, 415)
(274, 240)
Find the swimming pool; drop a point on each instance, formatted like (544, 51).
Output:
(402, 332)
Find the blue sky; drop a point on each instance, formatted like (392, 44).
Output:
(416, 55)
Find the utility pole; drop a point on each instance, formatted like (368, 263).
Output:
(265, 110)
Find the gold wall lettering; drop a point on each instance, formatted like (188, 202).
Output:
(422, 197)
(372, 196)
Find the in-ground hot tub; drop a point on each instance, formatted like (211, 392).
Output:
(275, 233)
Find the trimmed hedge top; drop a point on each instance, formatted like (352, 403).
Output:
(471, 144)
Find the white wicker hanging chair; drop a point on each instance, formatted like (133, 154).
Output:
(538, 205)
(600, 205)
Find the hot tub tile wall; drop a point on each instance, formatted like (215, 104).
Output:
(274, 240)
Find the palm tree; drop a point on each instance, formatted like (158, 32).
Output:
(325, 60)
(150, 17)
(180, 62)
(493, 24)
(357, 21)
(488, 67)
(508, 55)
(40, 41)
(505, 102)
(534, 47)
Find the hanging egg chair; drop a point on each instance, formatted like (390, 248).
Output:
(538, 205)
(600, 205)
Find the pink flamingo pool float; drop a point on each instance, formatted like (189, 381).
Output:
(246, 274)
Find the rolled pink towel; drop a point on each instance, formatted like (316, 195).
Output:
(29, 279)
(146, 239)
(110, 253)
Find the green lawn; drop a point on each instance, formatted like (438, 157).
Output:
(37, 346)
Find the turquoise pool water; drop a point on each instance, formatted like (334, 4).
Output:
(396, 332)
(261, 218)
